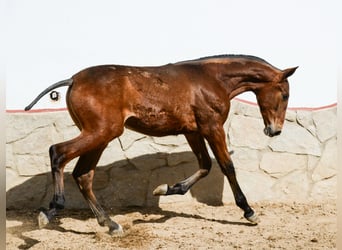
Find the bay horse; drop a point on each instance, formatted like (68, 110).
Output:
(189, 97)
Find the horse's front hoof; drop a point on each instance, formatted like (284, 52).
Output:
(43, 220)
(254, 219)
(161, 190)
(118, 231)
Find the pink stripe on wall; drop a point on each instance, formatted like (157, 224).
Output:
(35, 110)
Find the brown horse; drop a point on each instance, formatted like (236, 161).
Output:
(189, 97)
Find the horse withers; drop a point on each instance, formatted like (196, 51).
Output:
(189, 97)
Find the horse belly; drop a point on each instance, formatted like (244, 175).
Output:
(161, 124)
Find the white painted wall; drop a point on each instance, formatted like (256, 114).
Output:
(48, 41)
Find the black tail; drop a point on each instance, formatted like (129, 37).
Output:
(67, 82)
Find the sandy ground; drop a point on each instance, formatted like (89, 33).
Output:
(182, 226)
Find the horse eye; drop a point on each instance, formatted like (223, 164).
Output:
(285, 97)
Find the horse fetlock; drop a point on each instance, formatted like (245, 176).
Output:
(179, 188)
(241, 202)
(102, 221)
(57, 202)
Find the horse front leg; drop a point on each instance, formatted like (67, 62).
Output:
(197, 144)
(216, 139)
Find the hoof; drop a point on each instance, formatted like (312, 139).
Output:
(43, 220)
(161, 190)
(117, 231)
(254, 219)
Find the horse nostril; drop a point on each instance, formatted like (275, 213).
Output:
(277, 132)
(267, 131)
(270, 132)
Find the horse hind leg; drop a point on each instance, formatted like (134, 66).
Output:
(60, 155)
(197, 144)
(83, 175)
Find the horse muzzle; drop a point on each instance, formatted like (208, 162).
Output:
(270, 131)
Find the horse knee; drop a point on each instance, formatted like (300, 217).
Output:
(178, 188)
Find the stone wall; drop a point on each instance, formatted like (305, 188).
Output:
(300, 164)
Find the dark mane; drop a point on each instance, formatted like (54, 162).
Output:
(234, 56)
(255, 58)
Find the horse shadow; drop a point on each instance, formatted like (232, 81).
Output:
(123, 184)
(121, 188)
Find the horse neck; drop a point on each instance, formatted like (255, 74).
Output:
(242, 77)
(235, 86)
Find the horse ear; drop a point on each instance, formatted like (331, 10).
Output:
(288, 72)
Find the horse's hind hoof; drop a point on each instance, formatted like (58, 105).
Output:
(254, 219)
(161, 190)
(43, 220)
(117, 231)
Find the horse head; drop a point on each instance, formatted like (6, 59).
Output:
(273, 99)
